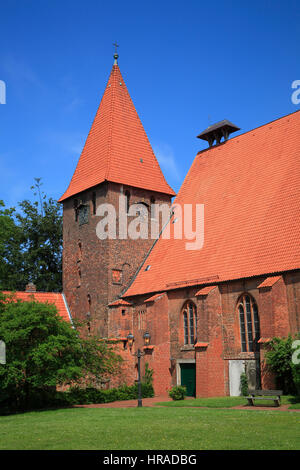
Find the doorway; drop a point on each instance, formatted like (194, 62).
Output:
(188, 378)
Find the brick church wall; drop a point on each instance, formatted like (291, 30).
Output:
(210, 366)
(218, 326)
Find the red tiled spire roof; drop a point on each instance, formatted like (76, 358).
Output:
(250, 188)
(117, 148)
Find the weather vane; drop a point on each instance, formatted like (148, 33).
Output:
(116, 46)
(116, 55)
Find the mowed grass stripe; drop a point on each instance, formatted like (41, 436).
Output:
(150, 429)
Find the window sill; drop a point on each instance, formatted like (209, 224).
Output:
(188, 347)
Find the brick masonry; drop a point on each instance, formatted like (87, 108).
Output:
(96, 272)
(91, 265)
(218, 326)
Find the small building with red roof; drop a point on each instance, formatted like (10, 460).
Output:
(56, 298)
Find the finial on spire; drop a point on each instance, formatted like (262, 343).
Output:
(116, 55)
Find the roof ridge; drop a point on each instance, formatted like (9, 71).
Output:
(113, 91)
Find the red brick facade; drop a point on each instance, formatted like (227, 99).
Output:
(218, 332)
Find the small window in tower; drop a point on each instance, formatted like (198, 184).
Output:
(143, 208)
(75, 205)
(79, 250)
(94, 203)
(117, 276)
(83, 214)
(148, 267)
(79, 277)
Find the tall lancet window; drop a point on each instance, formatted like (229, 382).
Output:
(249, 323)
(190, 323)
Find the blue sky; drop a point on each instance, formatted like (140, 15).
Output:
(187, 64)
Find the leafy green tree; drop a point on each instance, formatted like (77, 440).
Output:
(11, 258)
(43, 351)
(296, 363)
(279, 361)
(31, 243)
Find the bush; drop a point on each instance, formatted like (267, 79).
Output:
(148, 377)
(279, 361)
(89, 395)
(296, 365)
(177, 393)
(244, 384)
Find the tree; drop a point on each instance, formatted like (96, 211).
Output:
(43, 351)
(31, 244)
(10, 255)
(279, 361)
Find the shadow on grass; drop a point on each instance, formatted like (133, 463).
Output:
(294, 400)
(35, 410)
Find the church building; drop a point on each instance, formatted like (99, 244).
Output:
(201, 311)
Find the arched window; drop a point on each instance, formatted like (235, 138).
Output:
(79, 277)
(190, 323)
(127, 195)
(144, 208)
(249, 323)
(79, 250)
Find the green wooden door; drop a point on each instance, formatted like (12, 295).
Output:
(188, 378)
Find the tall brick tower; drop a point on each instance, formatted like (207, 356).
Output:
(117, 161)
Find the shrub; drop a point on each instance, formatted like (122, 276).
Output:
(85, 396)
(148, 377)
(279, 361)
(177, 393)
(244, 384)
(296, 365)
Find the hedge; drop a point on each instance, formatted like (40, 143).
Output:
(85, 396)
(47, 399)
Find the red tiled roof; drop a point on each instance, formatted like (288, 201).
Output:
(250, 188)
(119, 302)
(269, 282)
(201, 345)
(205, 290)
(117, 148)
(153, 298)
(51, 297)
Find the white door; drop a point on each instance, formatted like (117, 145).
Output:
(236, 368)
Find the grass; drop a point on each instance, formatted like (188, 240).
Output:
(150, 429)
(228, 402)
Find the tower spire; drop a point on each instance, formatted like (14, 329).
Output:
(116, 55)
(117, 148)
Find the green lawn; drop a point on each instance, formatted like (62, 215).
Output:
(150, 429)
(229, 402)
